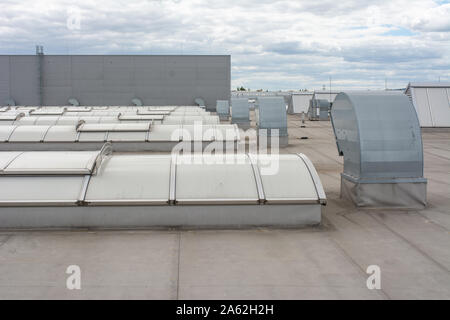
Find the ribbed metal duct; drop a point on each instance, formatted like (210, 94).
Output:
(271, 118)
(223, 110)
(319, 109)
(240, 113)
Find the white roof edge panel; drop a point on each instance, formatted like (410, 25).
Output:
(134, 117)
(53, 163)
(127, 127)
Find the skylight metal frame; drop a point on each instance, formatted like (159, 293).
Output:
(91, 166)
(315, 177)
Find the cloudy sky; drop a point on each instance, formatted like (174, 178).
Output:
(273, 44)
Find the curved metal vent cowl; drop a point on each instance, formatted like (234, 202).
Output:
(137, 102)
(10, 102)
(379, 136)
(200, 102)
(73, 102)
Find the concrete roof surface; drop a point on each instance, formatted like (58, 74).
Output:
(412, 248)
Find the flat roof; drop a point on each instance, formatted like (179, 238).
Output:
(412, 248)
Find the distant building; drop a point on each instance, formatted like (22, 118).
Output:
(432, 102)
(299, 102)
(114, 79)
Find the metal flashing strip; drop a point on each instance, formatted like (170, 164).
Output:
(11, 133)
(291, 201)
(37, 203)
(140, 117)
(214, 131)
(43, 112)
(10, 161)
(152, 112)
(448, 96)
(433, 123)
(84, 187)
(115, 127)
(150, 128)
(216, 201)
(374, 180)
(173, 178)
(340, 152)
(13, 117)
(79, 109)
(78, 125)
(45, 133)
(428, 85)
(27, 107)
(127, 202)
(257, 176)
(238, 133)
(104, 152)
(315, 177)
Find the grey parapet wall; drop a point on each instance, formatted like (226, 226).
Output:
(106, 190)
(379, 136)
(115, 79)
(271, 119)
(240, 112)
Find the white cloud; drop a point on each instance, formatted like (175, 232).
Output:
(274, 44)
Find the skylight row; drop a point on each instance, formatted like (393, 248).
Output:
(99, 178)
(86, 132)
